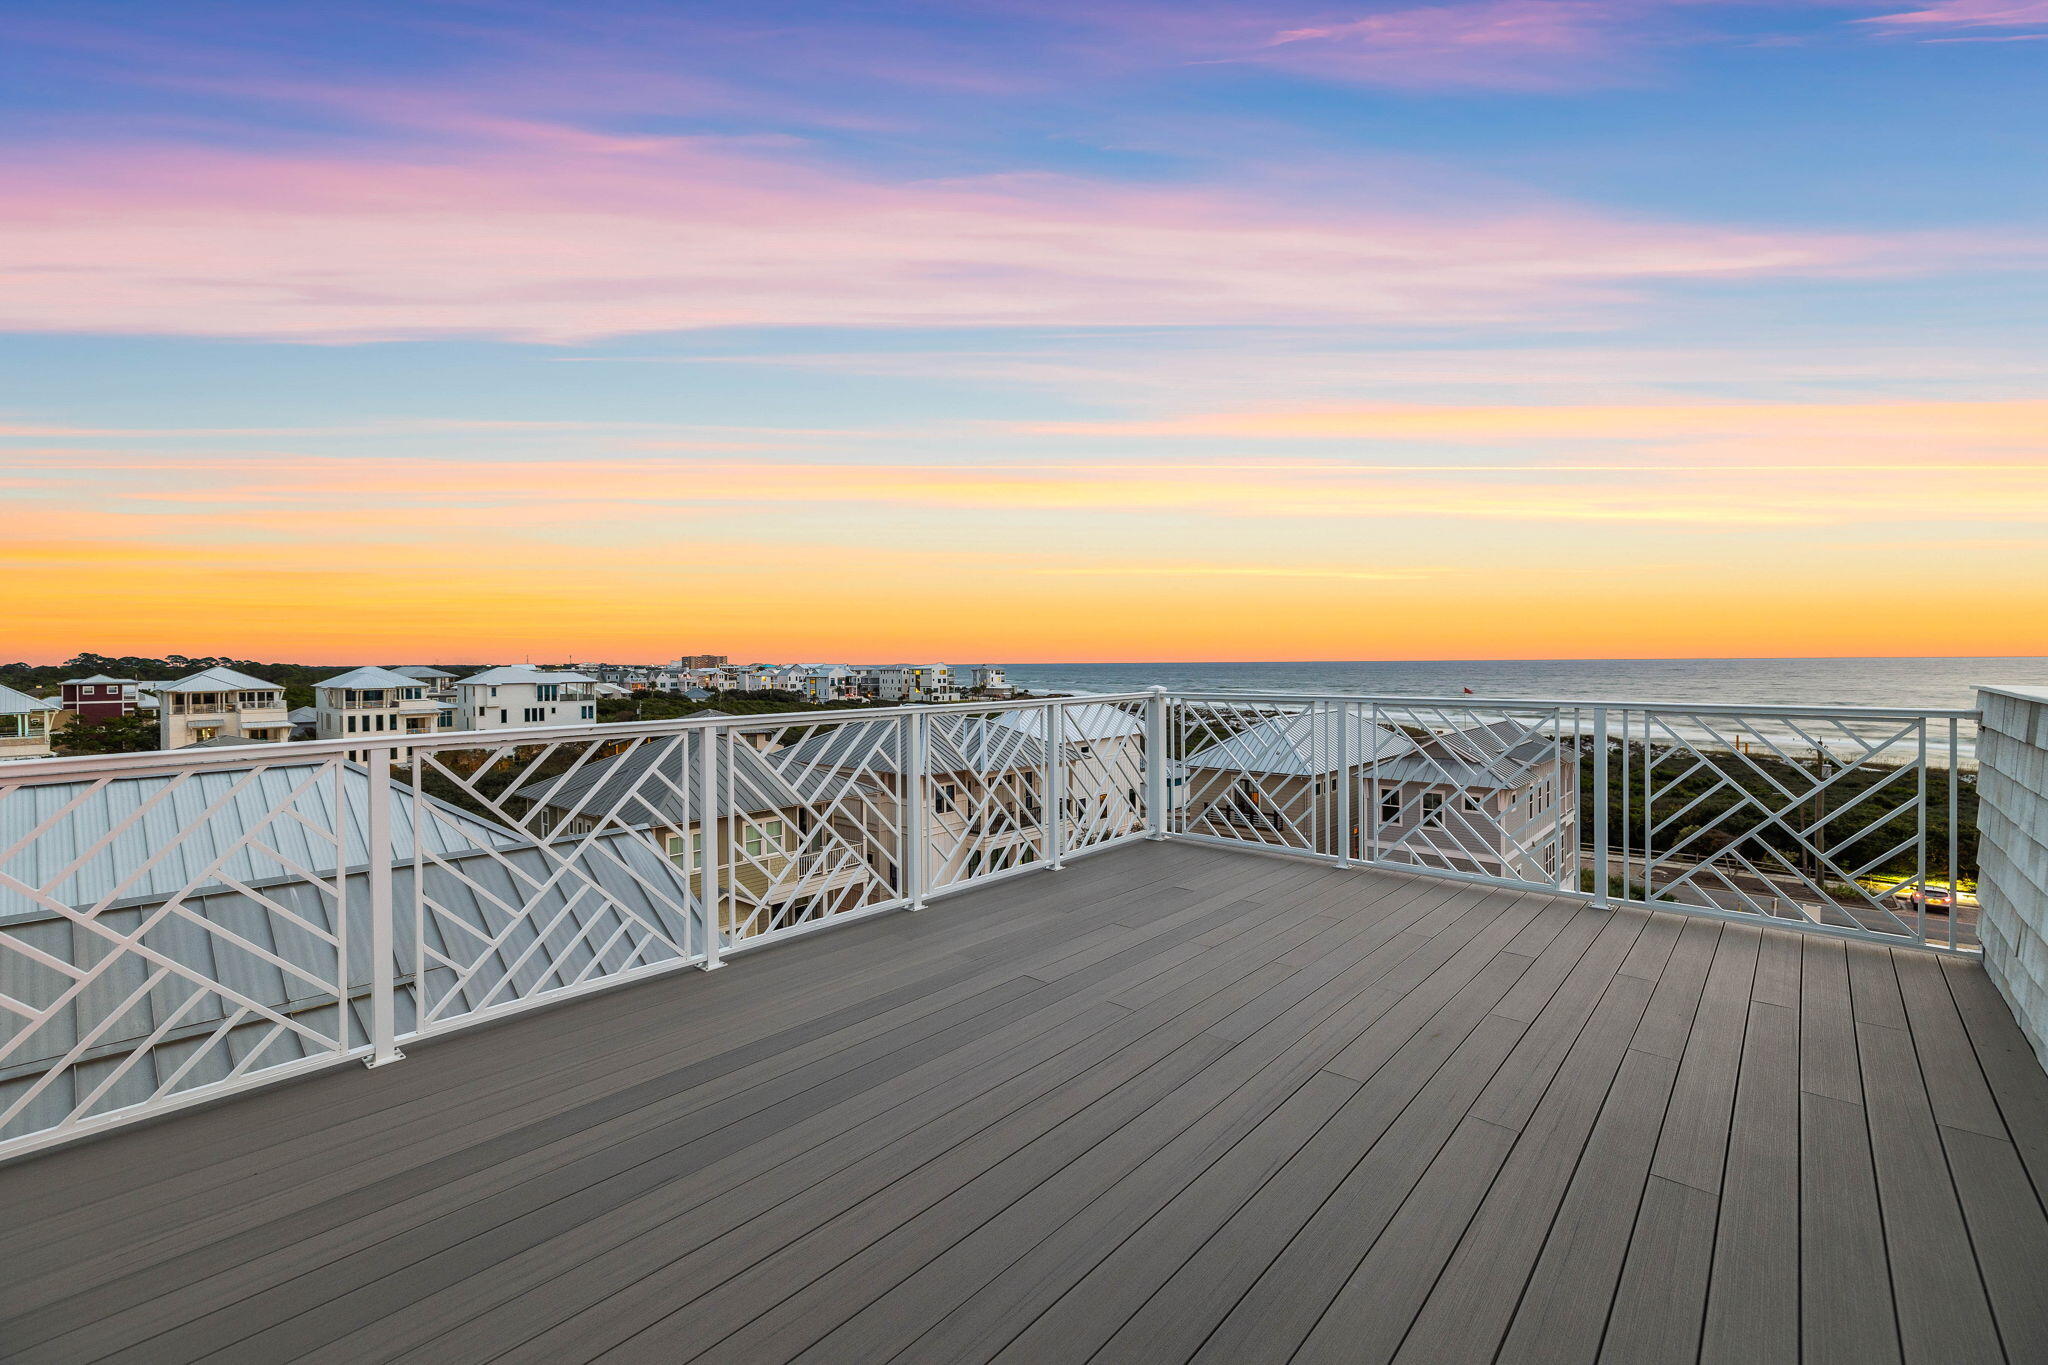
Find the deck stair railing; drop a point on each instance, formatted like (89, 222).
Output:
(175, 927)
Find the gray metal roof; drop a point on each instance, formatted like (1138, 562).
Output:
(13, 703)
(220, 680)
(1498, 757)
(190, 819)
(1083, 720)
(616, 882)
(422, 673)
(362, 679)
(521, 673)
(1299, 744)
(960, 744)
(647, 784)
(98, 678)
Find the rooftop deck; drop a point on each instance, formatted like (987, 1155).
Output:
(1172, 1103)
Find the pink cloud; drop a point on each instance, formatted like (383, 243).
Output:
(1969, 14)
(1498, 43)
(536, 240)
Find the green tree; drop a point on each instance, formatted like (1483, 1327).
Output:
(114, 735)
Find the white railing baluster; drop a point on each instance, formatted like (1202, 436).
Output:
(383, 947)
(709, 837)
(1602, 873)
(915, 743)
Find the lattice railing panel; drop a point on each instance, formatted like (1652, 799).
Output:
(989, 778)
(1476, 790)
(823, 839)
(587, 883)
(171, 932)
(1814, 818)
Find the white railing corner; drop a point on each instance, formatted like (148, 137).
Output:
(1156, 764)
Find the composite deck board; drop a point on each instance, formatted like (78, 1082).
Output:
(1173, 1102)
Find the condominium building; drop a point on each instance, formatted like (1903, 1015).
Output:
(220, 702)
(24, 724)
(517, 695)
(374, 701)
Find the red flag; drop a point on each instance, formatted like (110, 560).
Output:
(1468, 691)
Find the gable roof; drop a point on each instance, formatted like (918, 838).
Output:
(98, 678)
(1301, 744)
(423, 673)
(1497, 757)
(220, 680)
(182, 822)
(1082, 721)
(522, 673)
(605, 905)
(960, 744)
(648, 783)
(362, 679)
(13, 703)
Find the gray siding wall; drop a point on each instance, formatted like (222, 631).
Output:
(2012, 755)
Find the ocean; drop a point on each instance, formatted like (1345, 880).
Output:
(1929, 683)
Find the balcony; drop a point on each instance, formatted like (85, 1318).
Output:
(1188, 1099)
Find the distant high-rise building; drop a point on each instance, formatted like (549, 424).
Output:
(701, 661)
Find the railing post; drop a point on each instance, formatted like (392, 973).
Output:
(1155, 765)
(383, 948)
(917, 802)
(1343, 714)
(1055, 786)
(1602, 875)
(708, 837)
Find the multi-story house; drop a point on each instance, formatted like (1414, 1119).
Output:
(986, 679)
(218, 703)
(906, 682)
(25, 724)
(1493, 800)
(517, 695)
(99, 697)
(780, 865)
(1103, 746)
(374, 701)
(440, 686)
(984, 790)
(829, 682)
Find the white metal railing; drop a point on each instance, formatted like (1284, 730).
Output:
(179, 926)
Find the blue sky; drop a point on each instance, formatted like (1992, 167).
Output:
(1011, 305)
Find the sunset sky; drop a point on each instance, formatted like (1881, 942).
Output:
(1041, 330)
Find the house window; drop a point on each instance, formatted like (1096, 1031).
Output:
(1390, 807)
(687, 852)
(547, 691)
(536, 713)
(590, 712)
(1432, 808)
(351, 724)
(763, 838)
(945, 797)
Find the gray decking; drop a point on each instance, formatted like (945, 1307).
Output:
(1172, 1103)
